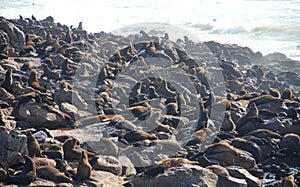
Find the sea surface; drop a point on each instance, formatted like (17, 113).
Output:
(263, 25)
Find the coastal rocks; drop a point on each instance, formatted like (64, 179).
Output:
(185, 175)
(43, 116)
(102, 178)
(16, 36)
(109, 164)
(12, 144)
(241, 173)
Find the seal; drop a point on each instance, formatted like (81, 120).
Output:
(84, 168)
(49, 73)
(138, 135)
(33, 146)
(249, 146)
(252, 112)
(161, 166)
(27, 175)
(8, 80)
(172, 109)
(52, 174)
(70, 152)
(202, 121)
(34, 82)
(287, 94)
(228, 124)
(199, 136)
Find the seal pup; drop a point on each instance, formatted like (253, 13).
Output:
(27, 175)
(52, 174)
(84, 168)
(34, 82)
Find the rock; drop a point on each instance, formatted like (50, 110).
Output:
(11, 145)
(127, 166)
(39, 115)
(68, 108)
(185, 175)
(108, 163)
(103, 179)
(241, 173)
(16, 36)
(239, 158)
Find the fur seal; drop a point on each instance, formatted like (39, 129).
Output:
(49, 73)
(219, 170)
(202, 121)
(219, 147)
(252, 112)
(84, 168)
(228, 124)
(287, 94)
(8, 80)
(199, 136)
(52, 174)
(138, 135)
(161, 166)
(274, 92)
(33, 146)
(27, 175)
(172, 109)
(66, 70)
(152, 92)
(70, 152)
(34, 82)
(249, 146)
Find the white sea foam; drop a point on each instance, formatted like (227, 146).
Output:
(263, 25)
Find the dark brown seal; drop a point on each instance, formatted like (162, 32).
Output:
(34, 82)
(84, 168)
(52, 174)
(33, 146)
(27, 175)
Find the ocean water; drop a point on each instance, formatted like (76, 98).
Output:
(263, 25)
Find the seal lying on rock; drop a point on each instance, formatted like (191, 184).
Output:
(27, 175)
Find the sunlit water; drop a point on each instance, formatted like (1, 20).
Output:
(263, 25)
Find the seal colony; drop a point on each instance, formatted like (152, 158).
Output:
(152, 127)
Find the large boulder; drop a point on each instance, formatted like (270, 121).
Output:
(41, 115)
(11, 145)
(16, 36)
(185, 175)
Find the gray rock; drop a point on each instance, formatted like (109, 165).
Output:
(185, 175)
(103, 179)
(68, 108)
(241, 173)
(16, 36)
(11, 145)
(127, 166)
(108, 163)
(40, 115)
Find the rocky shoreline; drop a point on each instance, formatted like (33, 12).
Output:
(141, 110)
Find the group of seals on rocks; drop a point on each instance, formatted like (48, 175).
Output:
(256, 127)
